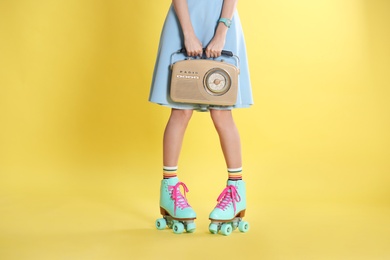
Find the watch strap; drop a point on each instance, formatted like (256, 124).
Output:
(225, 21)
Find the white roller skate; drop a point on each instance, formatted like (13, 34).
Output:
(177, 213)
(230, 210)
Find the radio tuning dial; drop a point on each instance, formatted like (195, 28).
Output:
(217, 81)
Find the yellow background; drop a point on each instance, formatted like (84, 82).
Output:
(80, 146)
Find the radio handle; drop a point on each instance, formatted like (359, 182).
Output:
(224, 52)
(227, 53)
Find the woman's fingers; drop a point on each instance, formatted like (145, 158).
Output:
(214, 49)
(194, 52)
(213, 53)
(193, 47)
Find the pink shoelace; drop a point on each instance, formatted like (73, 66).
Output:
(177, 197)
(228, 195)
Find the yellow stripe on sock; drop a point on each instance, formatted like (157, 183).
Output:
(169, 172)
(235, 174)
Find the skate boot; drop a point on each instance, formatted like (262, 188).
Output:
(230, 210)
(177, 213)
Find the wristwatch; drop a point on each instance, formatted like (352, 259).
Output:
(226, 21)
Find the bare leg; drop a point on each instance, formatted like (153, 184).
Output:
(228, 137)
(174, 134)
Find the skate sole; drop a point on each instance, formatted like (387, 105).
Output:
(165, 213)
(240, 214)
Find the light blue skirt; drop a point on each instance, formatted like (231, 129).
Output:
(204, 16)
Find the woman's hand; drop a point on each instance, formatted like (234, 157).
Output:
(215, 48)
(191, 42)
(217, 44)
(193, 46)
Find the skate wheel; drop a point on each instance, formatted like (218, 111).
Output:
(178, 228)
(226, 229)
(243, 226)
(213, 228)
(191, 227)
(161, 223)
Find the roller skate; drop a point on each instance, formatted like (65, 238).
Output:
(177, 213)
(230, 210)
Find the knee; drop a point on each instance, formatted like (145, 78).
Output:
(181, 115)
(221, 117)
(215, 115)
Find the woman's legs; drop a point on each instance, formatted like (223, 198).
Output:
(173, 136)
(231, 204)
(228, 136)
(172, 202)
(224, 124)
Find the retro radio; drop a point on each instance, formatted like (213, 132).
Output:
(204, 81)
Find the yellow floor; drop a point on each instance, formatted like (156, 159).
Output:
(114, 219)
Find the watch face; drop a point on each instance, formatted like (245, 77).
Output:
(228, 23)
(217, 82)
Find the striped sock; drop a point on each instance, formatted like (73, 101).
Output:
(235, 174)
(169, 172)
